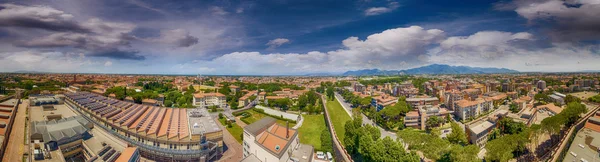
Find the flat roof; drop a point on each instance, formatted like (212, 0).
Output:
(200, 121)
(584, 146)
(303, 153)
(480, 127)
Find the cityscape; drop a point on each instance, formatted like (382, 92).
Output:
(299, 81)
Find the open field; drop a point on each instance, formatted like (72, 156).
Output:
(236, 131)
(338, 117)
(584, 95)
(310, 131)
(256, 116)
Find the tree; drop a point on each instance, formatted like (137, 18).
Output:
(433, 121)
(458, 135)
(168, 103)
(571, 98)
(541, 97)
(330, 93)
(514, 108)
(326, 141)
(220, 115)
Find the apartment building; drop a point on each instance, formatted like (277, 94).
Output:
(422, 100)
(379, 102)
(465, 109)
(209, 99)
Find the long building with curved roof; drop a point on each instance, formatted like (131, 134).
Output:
(160, 133)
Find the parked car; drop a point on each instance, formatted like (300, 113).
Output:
(321, 155)
(329, 156)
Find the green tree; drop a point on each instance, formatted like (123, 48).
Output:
(168, 103)
(433, 121)
(330, 93)
(514, 108)
(326, 141)
(458, 135)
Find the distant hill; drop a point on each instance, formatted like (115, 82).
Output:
(433, 69)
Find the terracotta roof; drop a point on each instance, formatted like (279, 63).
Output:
(202, 95)
(465, 103)
(165, 123)
(126, 154)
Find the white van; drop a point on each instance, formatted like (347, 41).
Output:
(321, 155)
(329, 157)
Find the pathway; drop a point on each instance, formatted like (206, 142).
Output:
(16, 147)
(234, 152)
(239, 122)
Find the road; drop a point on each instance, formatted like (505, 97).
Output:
(366, 121)
(16, 147)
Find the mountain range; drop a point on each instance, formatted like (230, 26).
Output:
(433, 69)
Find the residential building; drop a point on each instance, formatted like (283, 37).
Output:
(267, 141)
(541, 85)
(379, 102)
(129, 154)
(478, 132)
(422, 100)
(209, 99)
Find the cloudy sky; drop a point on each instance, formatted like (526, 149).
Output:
(292, 37)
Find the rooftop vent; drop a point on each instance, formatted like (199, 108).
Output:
(277, 147)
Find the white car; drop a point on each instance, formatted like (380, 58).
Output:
(329, 157)
(321, 155)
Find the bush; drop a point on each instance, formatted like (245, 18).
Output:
(220, 115)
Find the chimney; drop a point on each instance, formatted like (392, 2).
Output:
(287, 129)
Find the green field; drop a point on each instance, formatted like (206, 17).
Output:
(236, 131)
(256, 116)
(310, 131)
(338, 117)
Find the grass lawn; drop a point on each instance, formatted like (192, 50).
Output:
(310, 131)
(236, 131)
(256, 116)
(338, 117)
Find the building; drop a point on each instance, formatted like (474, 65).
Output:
(478, 132)
(359, 87)
(66, 134)
(209, 99)
(418, 101)
(8, 112)
(267, 141)
(245, 100)
(130, 154)
(465, 109)
(586, 144)
(418, 118)
(235, 89)
(540, 85)
(380, 102)
(160, 134)
(558, 98)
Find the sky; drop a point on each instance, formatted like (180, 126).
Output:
(296, 37)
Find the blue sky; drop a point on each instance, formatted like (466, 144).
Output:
(282, 37)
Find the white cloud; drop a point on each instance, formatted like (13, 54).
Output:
(391, 49)
(108, 63)
(520, 51)
(277, 42)
(381, 10)
(42, 61)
